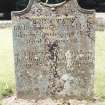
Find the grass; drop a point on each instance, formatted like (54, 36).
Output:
(100, 65)
(7, 78)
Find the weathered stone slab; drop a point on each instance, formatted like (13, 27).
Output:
(54, 50)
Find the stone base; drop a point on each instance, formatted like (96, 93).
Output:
(48, 101)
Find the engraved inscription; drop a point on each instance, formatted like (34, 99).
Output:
(54, 51)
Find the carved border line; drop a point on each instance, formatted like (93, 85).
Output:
(53, 5)
(28, 8)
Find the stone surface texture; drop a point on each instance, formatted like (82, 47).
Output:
(48, 101)
(54, 50)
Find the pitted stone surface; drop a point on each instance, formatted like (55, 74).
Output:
(49, 101)
(54, 51)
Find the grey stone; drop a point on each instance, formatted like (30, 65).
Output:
(54, 50)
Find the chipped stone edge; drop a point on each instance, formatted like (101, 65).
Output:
(28, 8)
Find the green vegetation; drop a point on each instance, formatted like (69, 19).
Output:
(100, 1)
(100, 65)
(0, 103)
(7, 79)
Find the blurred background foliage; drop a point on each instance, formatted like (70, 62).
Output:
(99, 5)
(21, 4)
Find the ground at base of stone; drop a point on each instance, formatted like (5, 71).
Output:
(14, 101)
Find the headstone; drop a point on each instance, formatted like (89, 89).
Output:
(54, 50)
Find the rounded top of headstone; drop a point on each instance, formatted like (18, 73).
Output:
(51, 5)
